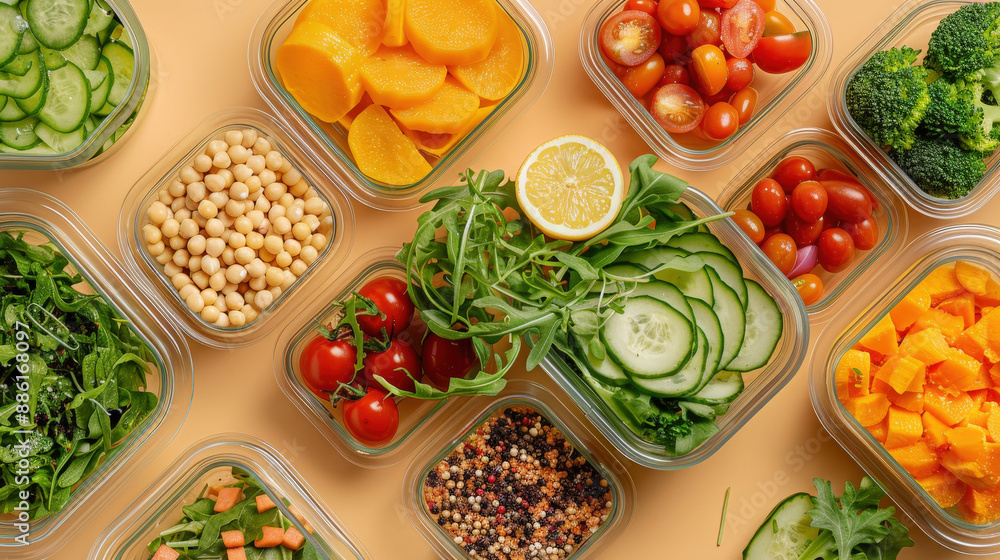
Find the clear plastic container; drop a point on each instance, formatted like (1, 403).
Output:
(212, 461)
(96, 147)
(827, 150)
(330, 140)
(415, 425)
(777, 92)
(910, 25)
(44, 219)
(149, 273)
(969, 242)
(761, 384)
(476, 411)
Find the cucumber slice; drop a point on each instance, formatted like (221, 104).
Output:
(696, 242)
(39, 149)
(53, 59)
(732, 316)
(28, 43)
(786, 533)
(95, 78)
(118, 34)
(99, 96)
(85, 53)
(3, 102)
(68, 102)
(692, 284)
(685, 213)
(648, 338)
(11, 112)
(23, 86)
(99, 19)
(729, 272)
(61, 142)
(763, 330)
(724, 387)
(31, 105)
(18, 66)
(19, 135)
(708, 322)
(681, 382)
(122, 62)
(12, 28)
(57, 24)
(606, 370)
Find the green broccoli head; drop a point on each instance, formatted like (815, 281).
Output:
(966, 42)
(941, 167)
(888, 97)
(956, 110)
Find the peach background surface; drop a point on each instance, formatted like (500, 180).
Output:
(200, 53)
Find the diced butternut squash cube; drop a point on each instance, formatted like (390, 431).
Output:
(320, 69)
(228, 497)
(966, 443)
(293, 539)
(982, 472)
(881, 338)
(949, 408)
(868, 410)
(963, 306)
(917, 459)
(165, 553)
(904, 428)
(982, 380)
(880, 430)
(978, 398)
(972, 277)
(929, 346)
(980, 507)
(982, 340)
(980, 416)
(944, 487)
(851, 375)
(958, 370)
(993, 424)
(934, 430)
(911, 307)
(910, 400)
(900, 372)
(995, 374)
(942, 283)
(949, 325)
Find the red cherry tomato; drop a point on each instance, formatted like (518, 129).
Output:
(445, 359)
(717, 3)
(389, 295)
(745, 102)
(707, 32)
(864, 233)
(674, 49)
(768, 202)
(775, 23)
(617, 69)
(809, 200)
(767, 5)
(742, 28)
(721, 121)
(810, 288)
(834, 175)
(836, 250)
(678, 17)
(640, 79)
(373, 419)
(791, 171)
(782, 53)
(630, 37)
(678, 108)
(648, 6)
(710, 72)
(847, 201)
(771, 232)
(829, 221)
(740, 73)
(803, 232)
(781, 250)
(675, 74)
(398, 364)
(324, 364)
(750, 224)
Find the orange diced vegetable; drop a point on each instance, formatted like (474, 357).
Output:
(293, 539)
(905, 428)
(944, 487)
(444, 112)
(978, 398)
(382, 152)
(496, 76)
(320, 69)
(347, 120)
(910, 400)
(958, 370)
(233, 539)
(868, 410)
(934, 430)
(901, 372)
(967, 443)
(264, 503)
(980, 507)
(165, 553)
(982, 340)
(982, 473)
(272, 537)
(879, 431)
(972, 277)
(980, 416)
(982, 380)
(929, 346)
(949, 325)
(917, 459)
(397, 77)
(213, 491)
(228, 497)
(236, 553)
(394, 35)
(963, 306)
(851, 375)
(993, 424)
(882, 337)
(358, 22)
(949, 409)
(911, 307)
(942, 283)
(440, 144)
(467, 37)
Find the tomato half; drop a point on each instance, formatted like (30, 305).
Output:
(791, 171)
(710, 72)
(678, 108)
(810, 288)
(679, 17)
(742, 28)
(740, 73)
(445, 359)
(640, 79)
(373, 419)
(324, 364)
(389, 295)
(782, 53)
(776, 23)
(768, 202)
(781, 250)
(675, 74)
(721, 121)
(836, 250)
(708, 31)
(648, 6)
(864, 233)
(745, 102)
(398, 364)
(630, 37)
(750, 224)
(809, 200)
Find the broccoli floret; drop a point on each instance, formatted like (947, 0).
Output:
(957, 110)
(941, 167)
(967, 42)
(888, 97)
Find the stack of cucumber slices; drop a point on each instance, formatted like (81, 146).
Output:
(685, 334)
(64, 66)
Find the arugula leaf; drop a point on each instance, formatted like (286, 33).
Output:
(853, 521)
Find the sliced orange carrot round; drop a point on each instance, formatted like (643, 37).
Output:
(444, 113)
(394, 35)
(440, 144)
(320, 70)
(399, 77)
(496, 76)
(451, 31)
(382, 152)
(359, 22)
(348, 119)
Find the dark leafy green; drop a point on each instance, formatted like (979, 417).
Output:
(82, 368)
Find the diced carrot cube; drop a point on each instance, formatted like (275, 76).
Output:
(949, 409)
(944, 487)
(995, 374)
(910, 400)
(917, 459)
(264, 503)
(905, 428)
(934, 430)
(942, 283)
(980, 507)
(911, 307)
(949, 325)
(881, 338)
(272, 537)
(978, 398)
(967, 443)
(993, 424)
(165, 553)
(869, 409)
(851, 375)
(901, 372)
(972, 277)
(929, 346)
(236, 554)
(982, 473)
(982, 380)
(958, 370)
(233, 539)
(982, 340)
(880, 430)
(228, 497)
(293, 539)
(963, 306)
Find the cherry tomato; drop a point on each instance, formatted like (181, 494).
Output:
(444, 359)
(707, 32)
(675, 74)
(389, 295)
(791, 171)
(617, 69)
(630, 37)
(864, 233)
(775, 23)
(648, 6)
(782, 53)
(373, 419)
(717, 3)
(750, 224)
(710, 72)
(767, 5)
(771, 232)
(678, 17)
(325, 364)
(745, 102)
(678, 108)
(674, 49)
(722, 96)
(398, 364)
(768, 202)
(847, 201)
(740, 73)
(834, 175)
(742, 27)
(810, 288)
(809, 200)
(781, 250)
(721, 121)
(836, 250)
(829, 221)
(640, 79)
(803, 232)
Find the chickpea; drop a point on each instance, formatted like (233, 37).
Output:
(171, 267)
(215, 182)
(298, 267)
(308, 255)
(181, 257)
(292, 247)
(215, 246)
(256, 217)
(194, 264)
(311, 221)
(210, 314)
(257, 284)
(222, 321)
(256, 163)
(230, 288)
(237, 318)
(283, 259)
(255, 240)
(222, 160)
(295, 213)
(263, 299)
(301, 231)
(210, 265)
(265, 227)
(189, 228)
(177, 204)
(262, 203)
(256, 267)
(176, 189)
(188, 203)
(249, 137)
(228, 256)
(315, 206)
(189, 175)
(265, 255)
(155, 249)
(164, 197)
(200, 279)
(244, 255)
(253, 183)
(239, 191)
(318, 241)
(267, 177)
(202, 163)
(292, 177)
(214, 227)
(180, 280)
(238, 154)
(235, 208)
(286, 199)
(187, 290)
(261, 146)
(273, 244)
(177, 243)
(274, 276)
(195, 302)
(197, 191)
(226, 219)
(182, 215)
(273, 160)
(220, 303)
(218, 280)
(237, 240)
(241, 172)
(235, 273)
(227, 176)
(234, 137)
(282, 225)
(166, 256)
(243, 225)
(219, 199)
(234, 300)
(209, 295)
(197, 245)
(289, 280)
(157, 212)
(216, 146)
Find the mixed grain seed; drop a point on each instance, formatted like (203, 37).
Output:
(517, 489)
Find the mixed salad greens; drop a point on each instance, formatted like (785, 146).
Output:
(72, 378)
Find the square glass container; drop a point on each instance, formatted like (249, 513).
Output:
(761, 384)
(43, 219)
(828, 150)
(974, 243)
(149, 273)
(910, 25)
(330, 140)
(777, 92)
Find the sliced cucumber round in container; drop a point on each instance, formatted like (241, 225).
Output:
(122, 61)
(724, 387)
(61, 142)
(729, 272)
(763, 330)
(24, 86)
(709, 324)
(100, 18)
(648, 338)
(681, 382)
(605, 369)
(19, 135)
(57, 24)
(732, 316)
(67, 104)
(786, 533)
(696, 242)
(692, 284)
(12, 28)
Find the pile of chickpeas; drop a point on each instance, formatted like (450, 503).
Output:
(236, 228)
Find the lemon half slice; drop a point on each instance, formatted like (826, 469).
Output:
(571, 188)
